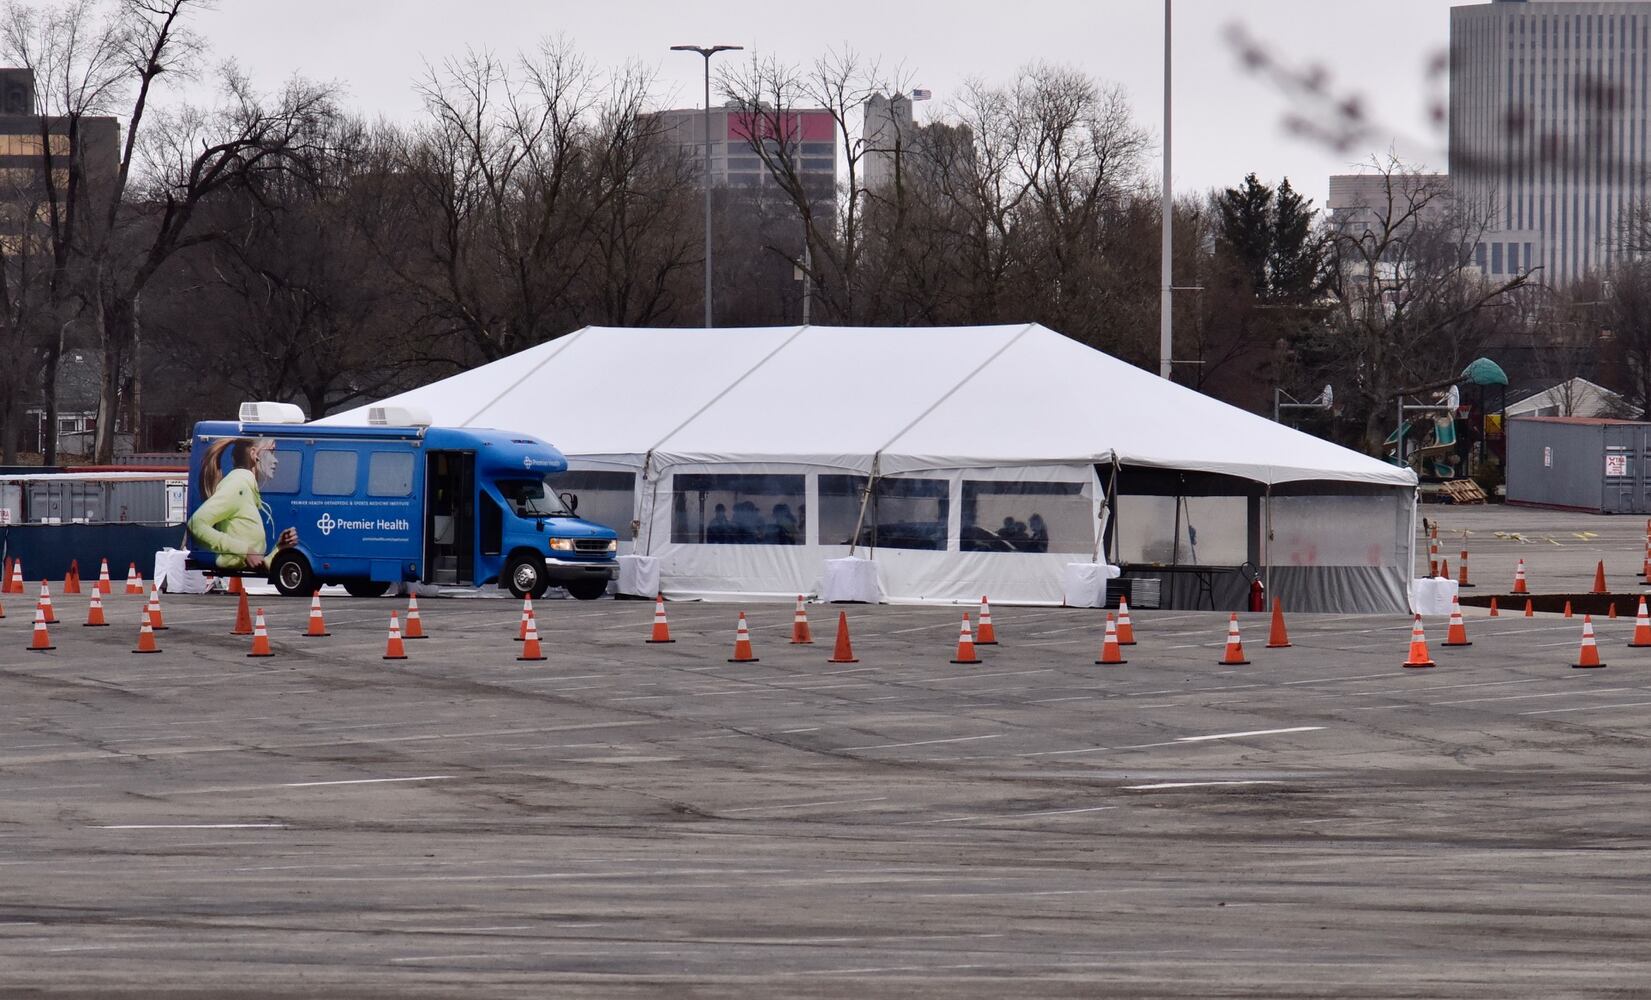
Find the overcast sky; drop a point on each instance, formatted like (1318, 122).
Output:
(1228, 121)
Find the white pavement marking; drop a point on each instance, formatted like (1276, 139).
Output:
(1196, 784)
(803, 805)
(1253, 732)
(1011, 816)
(195, 826)
(923, 743)
(1522, 697)
(367, 781)
(1589, 708)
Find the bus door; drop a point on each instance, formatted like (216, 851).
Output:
(449, 517)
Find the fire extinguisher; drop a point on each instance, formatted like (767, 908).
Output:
(1258, 595)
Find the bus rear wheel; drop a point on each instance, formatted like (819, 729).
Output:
(525, 576)
(292, 575)
(366, 588)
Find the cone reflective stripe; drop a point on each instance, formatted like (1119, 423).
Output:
(394, 650)
(94, 611)
(1567, 609)
(742, 644)
(800, 636)
(260, 636)
(1457, 634)
(530, 644)
(243, 616)
(1277, 637)
(71, 579)
(42, 640)
(134, 582)
(843, 651)
(415, 624)
(1234, 656)
(662, 628)
(146, 635)
(1494, 613)
(1418, 647)
(1126, 627)
(156, 622)
(527, 612)
(44, 603)
(1519, 579)
(1599, 579)
(1642, 627)
(1530, 611)
(988, 634)
(104, 584)
(965, 644)
(1462, 570)
(1588, 655)
(318, 624)
(1111, 654)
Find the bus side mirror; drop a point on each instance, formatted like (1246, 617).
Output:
(539, 524)
(571, 501)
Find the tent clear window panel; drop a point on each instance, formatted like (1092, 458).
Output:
(1339, 530)
(750, 509)
(1026, 517)
(902, 513)
(608, 498)
(1205, 531)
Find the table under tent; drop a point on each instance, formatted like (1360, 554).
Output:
(963, 461)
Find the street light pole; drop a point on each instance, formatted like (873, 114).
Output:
(1166, 298)
(707, 51)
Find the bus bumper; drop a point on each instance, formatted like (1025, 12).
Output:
(562, 571)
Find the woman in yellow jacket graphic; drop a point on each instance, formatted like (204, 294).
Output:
(230, 520)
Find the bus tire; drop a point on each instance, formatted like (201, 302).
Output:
(587, 590)
(366, 588)
(525, 576)
(292, 575)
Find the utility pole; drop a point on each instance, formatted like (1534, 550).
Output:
(1165, 291)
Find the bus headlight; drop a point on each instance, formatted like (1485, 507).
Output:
(561, 545)
(613, 546)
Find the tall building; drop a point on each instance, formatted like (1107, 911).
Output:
(1367, 201)
(1550, 106)
(893, 137)
(810, 136)
(30, 143)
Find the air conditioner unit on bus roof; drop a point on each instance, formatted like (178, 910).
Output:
(271, 413)
(397, 416)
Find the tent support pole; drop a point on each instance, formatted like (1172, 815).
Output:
(653, 503)
(865, 499)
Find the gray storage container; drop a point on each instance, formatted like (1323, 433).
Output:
(1580, 463)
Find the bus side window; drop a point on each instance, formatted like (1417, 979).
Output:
(492, 526)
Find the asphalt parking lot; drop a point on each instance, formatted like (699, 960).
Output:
(631, 820)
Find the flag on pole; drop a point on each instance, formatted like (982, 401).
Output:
(921, 95)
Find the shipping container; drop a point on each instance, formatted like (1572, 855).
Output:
(1580, 463)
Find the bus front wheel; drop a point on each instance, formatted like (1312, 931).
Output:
(588, 590)
(526, 577)
(292, 575)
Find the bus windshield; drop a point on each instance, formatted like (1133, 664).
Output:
(532, 498)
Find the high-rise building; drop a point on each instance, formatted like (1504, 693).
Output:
(1550, 106)
(894, 140)
(35, 150)
(809, 135)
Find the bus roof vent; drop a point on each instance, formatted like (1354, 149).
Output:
(397, 416)
(271, 413)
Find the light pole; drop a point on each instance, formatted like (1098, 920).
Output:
(707, 51)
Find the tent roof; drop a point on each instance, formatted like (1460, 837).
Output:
(919, 398)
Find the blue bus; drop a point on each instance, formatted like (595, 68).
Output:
(369, 507)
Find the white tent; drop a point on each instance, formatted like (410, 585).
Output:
(963, 435)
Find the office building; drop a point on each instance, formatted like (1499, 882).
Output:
(893, 141)
(809, 136)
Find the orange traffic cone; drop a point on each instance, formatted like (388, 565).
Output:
(1234, 656)
(318, 624)
(988, 634)
(1611, 610)
(1494, 613)
(1599, 579)
(94, 611)
(104, 584)
(1418, 647)
(662, 628)
(235, 586)
(527, 613)
(843, 652)
(155, 620)
(71, 579)
(742, 644)
(1126, 627)
(1642, 627)
(1433, 555)
(42, 640)
(530, 644)
(16, 583)
(800, 636)
(394, 650)
(1462, 570)
(134, 582)
(965, 644)
(1444, 569)
(1111, 654)
(44, 603)
(5, 577)
(146, 636)
(260, 636)
(1530, 611)
(1519, 579)
(2, 606)
(415, 624)
(243, 616)
(1278, 638)
(1588, 656)
(1457, 634)
(1567, 609)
